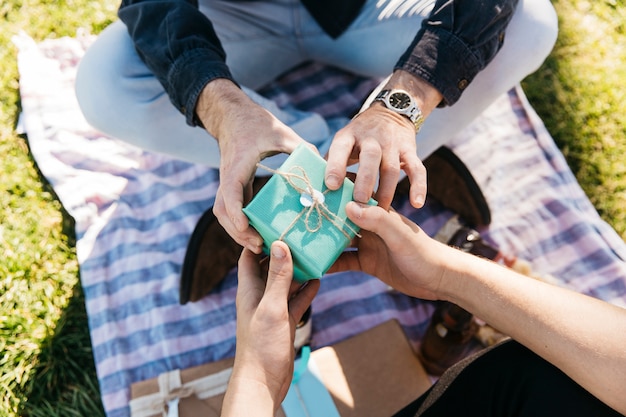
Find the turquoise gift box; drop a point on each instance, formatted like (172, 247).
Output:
(296, 207)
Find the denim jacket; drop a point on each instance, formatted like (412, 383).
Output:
(177, 42)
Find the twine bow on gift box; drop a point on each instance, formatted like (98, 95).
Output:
(294, 206)
(313, 202)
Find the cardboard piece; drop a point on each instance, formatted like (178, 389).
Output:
(295, 206)
(190, 405)
(375, 373)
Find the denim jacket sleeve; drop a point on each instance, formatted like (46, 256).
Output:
(178, 44)
(456, 42)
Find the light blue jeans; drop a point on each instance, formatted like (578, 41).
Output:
(120, 97)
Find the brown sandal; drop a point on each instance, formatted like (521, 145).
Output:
(451, 183)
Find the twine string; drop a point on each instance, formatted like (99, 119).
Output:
(178, 393)
(317, 211)
(169, 402)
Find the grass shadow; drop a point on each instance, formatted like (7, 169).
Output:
(64, 381)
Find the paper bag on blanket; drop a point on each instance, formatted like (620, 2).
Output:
(374, 373)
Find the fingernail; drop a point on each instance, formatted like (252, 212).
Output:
(278, 252)
(420, 200)
(332, 181)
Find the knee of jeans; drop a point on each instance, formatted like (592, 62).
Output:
(106, 104)
(542, 27)
(88, 95)
(548, 25)
(531, 35)
(98, 95)
(101, 92)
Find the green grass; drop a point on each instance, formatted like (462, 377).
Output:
(579, 93)
(46, 364)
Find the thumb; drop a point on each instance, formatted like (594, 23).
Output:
(280, 273)
(372, 218)
(389, 225)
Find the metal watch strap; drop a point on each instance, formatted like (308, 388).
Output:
(414, 114)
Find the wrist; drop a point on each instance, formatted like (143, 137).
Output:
(249, 396)
(400, 102)
(456, 274)
(265, 375)
(424, 94)
(463, 276)
(219, 98)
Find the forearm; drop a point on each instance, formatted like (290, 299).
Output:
(219, 100)
(240, 124)
(582, 336)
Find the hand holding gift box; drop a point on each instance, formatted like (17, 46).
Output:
(296, 207)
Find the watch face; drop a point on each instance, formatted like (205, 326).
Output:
(400, 100)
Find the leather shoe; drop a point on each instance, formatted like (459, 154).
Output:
(211, 254)
(450, 182)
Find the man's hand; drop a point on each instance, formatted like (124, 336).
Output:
(383, 143)
(246, 134)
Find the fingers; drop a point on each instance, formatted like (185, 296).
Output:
(343, 151)
(303, 298)
(347, 261)
(237, 170)
(389, 225)
(370, 161)
(228, 211)
(388, 182)
(417, 174)
(250, 286)
(338, 155)
(280, 273)
(280, 282)
(382, 148)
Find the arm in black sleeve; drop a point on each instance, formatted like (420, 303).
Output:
(178, 44)
(456, 42)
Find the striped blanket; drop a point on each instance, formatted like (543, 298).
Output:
(135, 211)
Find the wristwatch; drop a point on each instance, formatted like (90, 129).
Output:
(402, 103)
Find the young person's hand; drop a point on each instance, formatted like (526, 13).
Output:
(395, 250)
(583, 336)
(268, 311)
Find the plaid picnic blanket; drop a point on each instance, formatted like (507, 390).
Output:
(135, 211)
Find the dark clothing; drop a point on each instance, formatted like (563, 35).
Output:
(177, 42)
(334, 16)
(507, 381)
